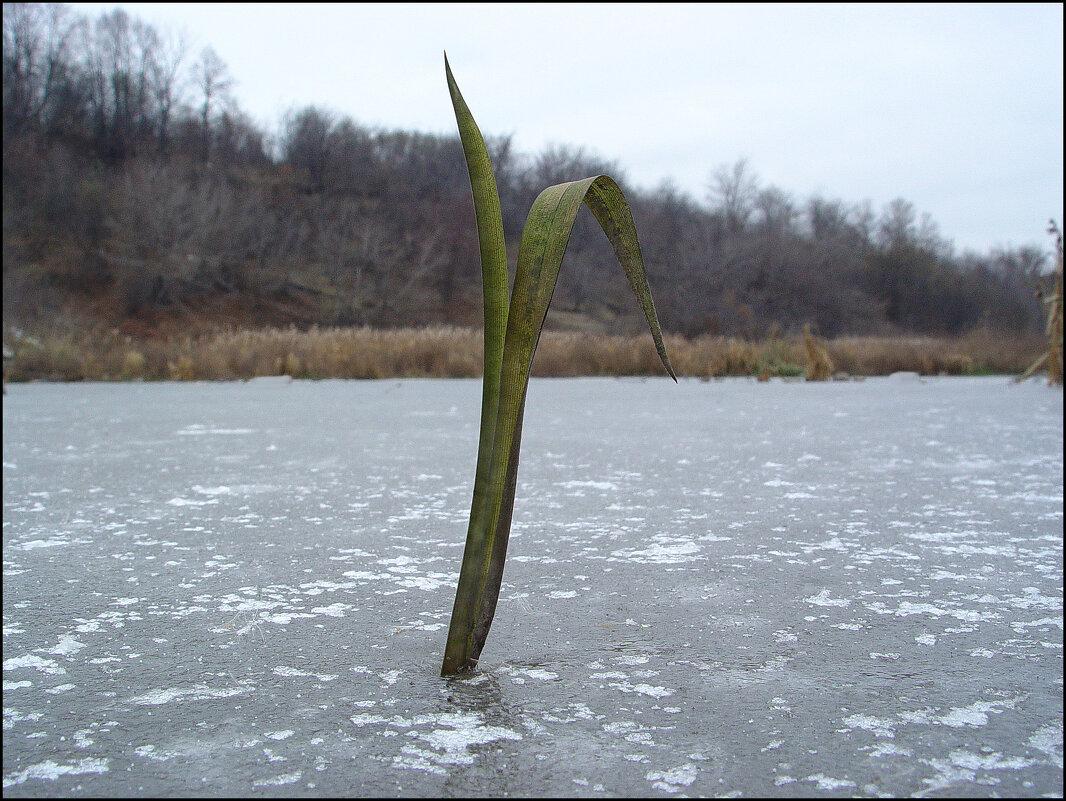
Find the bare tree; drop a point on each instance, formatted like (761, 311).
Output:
(732, 190)
(166, 58)
(776, 211)
(897, 224)
(559, 163)
(305, 142)
(349, 154)
(38, 43)
(212, 79)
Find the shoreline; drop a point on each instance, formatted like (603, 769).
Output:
(451, 352)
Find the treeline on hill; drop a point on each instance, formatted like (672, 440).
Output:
(135, 191)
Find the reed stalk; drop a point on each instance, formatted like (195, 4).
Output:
(1052, 302)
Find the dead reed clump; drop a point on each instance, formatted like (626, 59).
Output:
(435, 352)
(571, 353)
(133, 364)
(51, 358)
(182, 369)
(737, 356)
(819, 365)
(713, 356)
(289, 365)
(1052, 302)
(886, 355)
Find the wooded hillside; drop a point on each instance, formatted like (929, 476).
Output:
(136, 194)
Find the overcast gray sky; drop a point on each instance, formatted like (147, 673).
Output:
(956, 108)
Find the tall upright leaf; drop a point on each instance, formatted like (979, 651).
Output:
(544, 239)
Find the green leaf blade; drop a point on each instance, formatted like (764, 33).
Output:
(608, 205)
(493, 253)
(544, 240)
(513, 333)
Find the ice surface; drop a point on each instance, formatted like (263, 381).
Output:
(712, 589)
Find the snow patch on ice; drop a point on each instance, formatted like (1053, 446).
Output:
(201, 430)
(539, 674)
(453, 733)
(671, 781)
(828, 782)
(600, 485)
(285, 670)
(879, 727)
(285, 778)
(1048, 739)
(51, 542)
(669, 552)
(823, 599)
(67, 646)
(200, 692)
(187, 502)
(149, 752)
(333, 610)
(50, 771)
(642, 689)
(49, 666)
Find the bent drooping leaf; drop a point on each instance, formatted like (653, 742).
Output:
(544, 240)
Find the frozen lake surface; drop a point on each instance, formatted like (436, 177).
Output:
(712, 588)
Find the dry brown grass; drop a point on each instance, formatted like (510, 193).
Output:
(456, 352)
(819, 365)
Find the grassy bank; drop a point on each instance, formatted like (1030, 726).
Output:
(456, 352)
